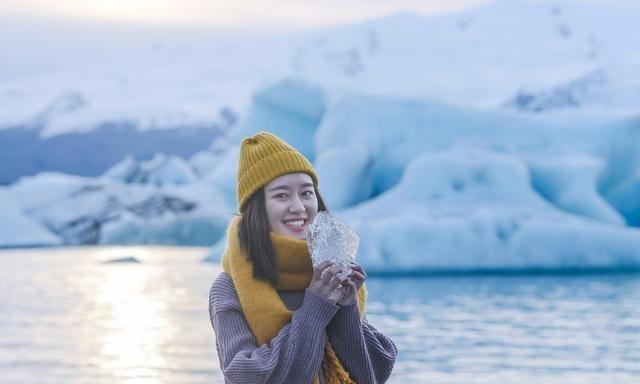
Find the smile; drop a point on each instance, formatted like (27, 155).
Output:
(296, 224)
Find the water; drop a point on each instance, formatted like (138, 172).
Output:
(66, 317)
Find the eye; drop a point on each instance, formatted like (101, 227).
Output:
(281, 195)
(307, 193)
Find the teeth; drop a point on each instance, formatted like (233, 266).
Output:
(295, 223)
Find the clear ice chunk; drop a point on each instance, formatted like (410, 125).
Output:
(330, 239)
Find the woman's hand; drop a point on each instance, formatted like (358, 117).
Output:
(354, 281)
(326, 280)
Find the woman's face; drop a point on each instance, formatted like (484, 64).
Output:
(291, 204)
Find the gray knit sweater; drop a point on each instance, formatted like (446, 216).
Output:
(295, 354)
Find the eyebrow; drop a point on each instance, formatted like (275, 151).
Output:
(286, 188)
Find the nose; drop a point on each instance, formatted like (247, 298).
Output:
(296, 205)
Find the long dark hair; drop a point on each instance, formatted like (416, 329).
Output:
(253, 233)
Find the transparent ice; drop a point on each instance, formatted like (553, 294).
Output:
(328, 238)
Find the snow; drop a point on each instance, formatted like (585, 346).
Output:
(568, 55)
(571, 55)
(168, 79)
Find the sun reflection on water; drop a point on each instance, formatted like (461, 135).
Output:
(135, 320)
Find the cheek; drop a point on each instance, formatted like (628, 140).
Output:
(312, 210)
(275, 212)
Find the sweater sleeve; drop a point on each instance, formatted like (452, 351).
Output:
(367, 354)
(293, 356)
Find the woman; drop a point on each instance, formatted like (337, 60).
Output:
(275, 319)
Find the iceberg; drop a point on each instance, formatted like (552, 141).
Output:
(602, 154)
(535, 163)
(189, 230)
(437, 188)
(205, 162)
(160, 170)
(466, 209)
(289, 108)
(344, 170)
(18, 230)
(106, 210)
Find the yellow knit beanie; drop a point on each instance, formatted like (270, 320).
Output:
(263, 157)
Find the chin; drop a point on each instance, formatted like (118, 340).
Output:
(298, 235)
(289, 233)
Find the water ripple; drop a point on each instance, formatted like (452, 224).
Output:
(68, 317)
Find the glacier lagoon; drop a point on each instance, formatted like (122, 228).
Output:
(531, 167)
(68, 315)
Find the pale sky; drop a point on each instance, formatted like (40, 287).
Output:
(298, 13)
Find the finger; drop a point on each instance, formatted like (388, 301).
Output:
(356, 275)
(357, 280)
(350, 284)
(358, 267)
(349, 289)
(334, 282)
(329, 272)
(356, 283)
(344, 278)
(320, 271)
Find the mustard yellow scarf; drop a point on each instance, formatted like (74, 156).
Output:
(263, 309)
